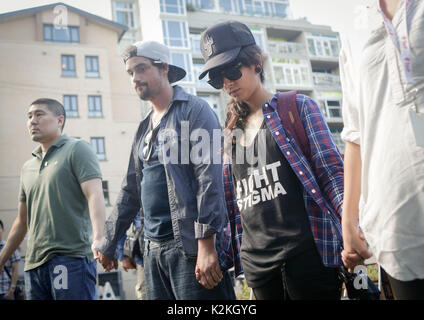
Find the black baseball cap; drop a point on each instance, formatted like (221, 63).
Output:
(221, 43)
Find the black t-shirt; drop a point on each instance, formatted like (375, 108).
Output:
(154, 192)
(270, 198)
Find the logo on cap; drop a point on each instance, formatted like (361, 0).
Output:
(208, 45)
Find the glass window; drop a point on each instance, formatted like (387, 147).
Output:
(279, 75)
(296, 74)
(68, 66)
(70, 104)
(92, 66)
(334, 109)
(105, 188)
(335, 47)
(124, 13)
(98, 144)
(327, 48)
(259, 38)
(281, 10)
(62, 34)
(172, 6)
(95, 107)
(319, 47)
(257, 8)
(288, 74)
(175, 33)
(183, 60)
(311, 47)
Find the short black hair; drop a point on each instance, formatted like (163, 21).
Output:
(54, 106)
(1, 224)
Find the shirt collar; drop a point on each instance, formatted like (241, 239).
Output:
(273, 102)
(37, 152)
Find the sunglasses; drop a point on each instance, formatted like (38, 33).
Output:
(233, 73)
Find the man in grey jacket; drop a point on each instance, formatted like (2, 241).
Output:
(187, 247)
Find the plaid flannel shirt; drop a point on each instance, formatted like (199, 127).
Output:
(322, 180)
(4, 278)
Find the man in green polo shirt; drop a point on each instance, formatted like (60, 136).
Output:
(61, 205)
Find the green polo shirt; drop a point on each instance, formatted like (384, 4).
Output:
(58, 217)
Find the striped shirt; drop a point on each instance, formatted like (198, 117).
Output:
(322, 181)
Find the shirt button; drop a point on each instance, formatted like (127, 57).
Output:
(301, 173)
(268, 116)
(277, 133)
(288, 140)
(313, 190)
(288, 153)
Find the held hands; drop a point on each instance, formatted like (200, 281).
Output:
(128, 263)
(355, 247)
(108, 263)
(208, 272)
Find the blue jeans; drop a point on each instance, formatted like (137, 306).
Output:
(169, 275)
(62, 278)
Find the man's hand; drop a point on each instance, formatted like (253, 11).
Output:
(208, 271)
(107, 263)
(128, 263)
(94, 248)
(355, 247)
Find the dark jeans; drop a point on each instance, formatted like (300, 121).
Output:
(169, 275)
(62, 278)
(303, 277)
(407, 290)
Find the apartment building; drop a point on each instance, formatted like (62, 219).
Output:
(78, 64)
(298, 55)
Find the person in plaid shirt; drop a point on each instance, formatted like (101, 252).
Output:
(7, 285)
(287, 205)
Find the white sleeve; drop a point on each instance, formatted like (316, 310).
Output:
(350, 106)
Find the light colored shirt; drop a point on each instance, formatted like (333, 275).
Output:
(376, 104)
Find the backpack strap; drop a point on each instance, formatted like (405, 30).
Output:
(290, 119)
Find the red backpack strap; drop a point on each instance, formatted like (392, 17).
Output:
(290, 119)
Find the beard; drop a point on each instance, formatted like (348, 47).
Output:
(144, 91)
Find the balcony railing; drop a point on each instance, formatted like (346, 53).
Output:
(279, 48)
(326, 80)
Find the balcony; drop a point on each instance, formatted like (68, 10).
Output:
(279, 48)
(326, 80)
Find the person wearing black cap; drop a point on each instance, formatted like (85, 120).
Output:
(186, 252)
(287, 204)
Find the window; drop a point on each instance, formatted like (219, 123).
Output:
(291, 71)
(125, 13)
(172, 6)
(98, 144)
(70, 103)
(92, 66)
(202, 4)
(183, 60)
(105, 188)
(323, 45)
(175, 33)
(333, 108)
(259, 37)
(68, 66)
(195, 43)
(95, 107)
(231, 6)
(62, 34)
